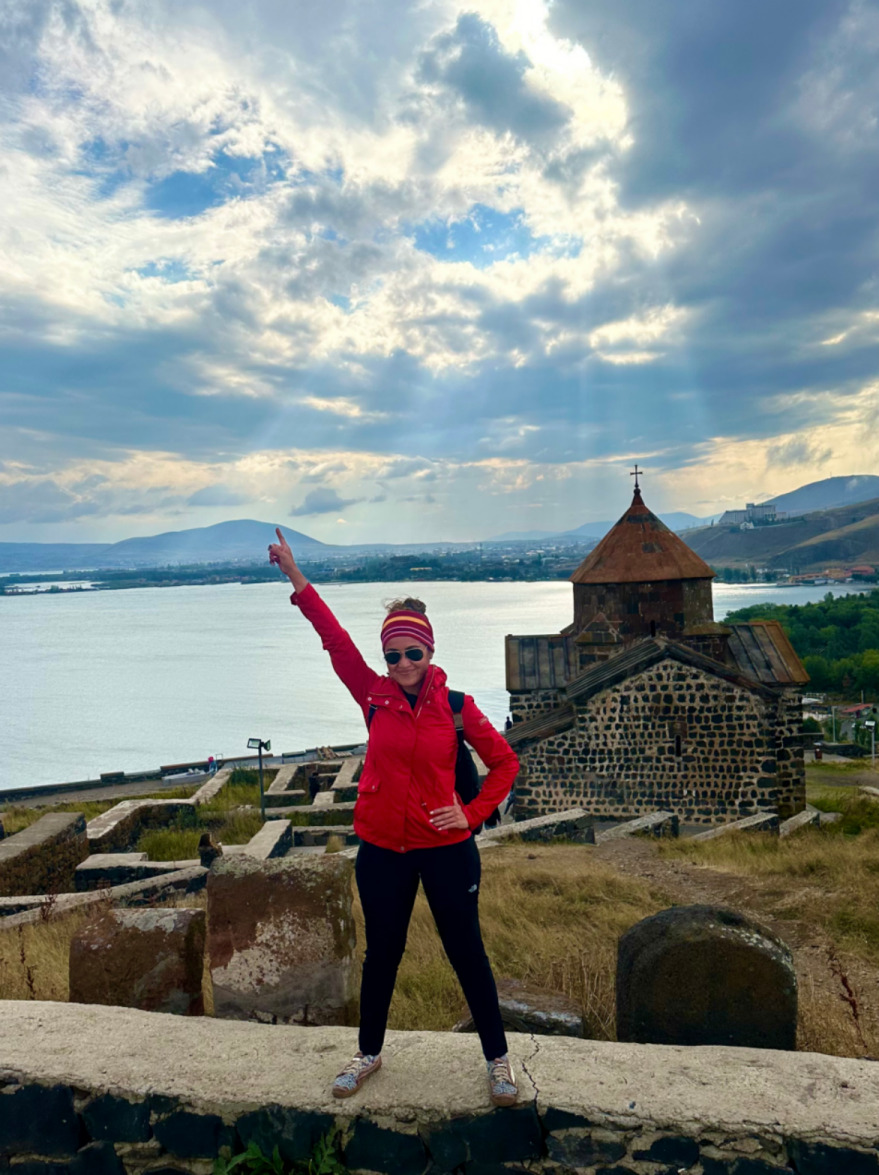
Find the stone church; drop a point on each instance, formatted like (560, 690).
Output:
(644, 702)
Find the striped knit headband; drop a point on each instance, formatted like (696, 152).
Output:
(412, 625)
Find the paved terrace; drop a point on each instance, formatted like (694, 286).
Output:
(168, 1091)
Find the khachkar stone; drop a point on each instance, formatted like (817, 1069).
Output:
(697, 975)
(147, 959)
(281, 939)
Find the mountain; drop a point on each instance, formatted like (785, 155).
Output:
(829, 493)
(226, 542)
(843, 536)
(674, 520)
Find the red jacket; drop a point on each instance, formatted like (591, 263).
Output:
(410, 757)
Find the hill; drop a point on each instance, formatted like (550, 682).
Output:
(225, 542)
(829, 493)
(844, 536)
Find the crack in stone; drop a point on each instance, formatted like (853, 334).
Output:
(525, 1062)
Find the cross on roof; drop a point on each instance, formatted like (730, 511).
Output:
(636, 474)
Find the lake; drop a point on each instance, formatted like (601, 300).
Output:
(128, 680)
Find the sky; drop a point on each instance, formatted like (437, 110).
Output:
(389, 271)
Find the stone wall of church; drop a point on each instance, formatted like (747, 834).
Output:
(530, 703)
(672, 737)
(791, 777)
(665, 608)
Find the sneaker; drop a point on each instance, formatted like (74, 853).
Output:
(501, 1082)
(355, 1073)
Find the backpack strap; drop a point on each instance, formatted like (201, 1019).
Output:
(456, 705)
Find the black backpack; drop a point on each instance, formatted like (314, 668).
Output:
(467, 782)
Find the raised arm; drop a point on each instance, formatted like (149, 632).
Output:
(347, 660)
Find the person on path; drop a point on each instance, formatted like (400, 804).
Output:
(410, 822)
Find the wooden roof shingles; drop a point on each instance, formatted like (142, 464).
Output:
(640, 548)
(762, 650)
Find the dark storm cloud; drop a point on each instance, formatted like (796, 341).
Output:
(472, 65)
(741, 111)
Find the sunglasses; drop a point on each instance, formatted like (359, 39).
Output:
(392, 656)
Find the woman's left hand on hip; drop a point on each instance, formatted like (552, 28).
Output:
(446, 819)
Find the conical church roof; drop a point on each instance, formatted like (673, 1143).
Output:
(640, 549)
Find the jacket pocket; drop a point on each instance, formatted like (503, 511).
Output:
(369, 781)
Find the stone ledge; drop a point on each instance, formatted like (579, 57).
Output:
(762, 822)
(653, 824)
(42, 858)
(195, 1082)
(808, 818)
(135, 893)
(273, 840)
(573, 824)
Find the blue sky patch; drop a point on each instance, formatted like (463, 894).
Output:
(186, 193)
(169, 269)
(482, 237)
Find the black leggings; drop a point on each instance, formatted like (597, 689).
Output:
(388, 883)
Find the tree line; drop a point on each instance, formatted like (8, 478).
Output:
(837, 639)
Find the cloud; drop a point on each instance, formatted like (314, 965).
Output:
(471, 64)
(322, 501)
(422, 236)
(217, 495)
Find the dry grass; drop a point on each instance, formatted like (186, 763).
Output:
(551, 916)
(823, 877)
(33, 959)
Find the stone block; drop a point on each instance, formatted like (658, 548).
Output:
(118, 828)
(294, 1132)
(677, 1150)
(584, 1148)
(43, 857)
(572, 824)
(97, 1158)
(212, 786)
(703, 975)
(818, 1158)
(320, 834)
(188, 1135)
(762, 822)
(281, 939)
(745, 1165)
(286, 799)
(273, 840)
(525, 1009)
(371, 1148)
(102, 870)
(653, 824)
(39, 1119)
(114, 1119)
(147, 959)
(808, 818)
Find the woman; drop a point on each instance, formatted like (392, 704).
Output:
(410, 822)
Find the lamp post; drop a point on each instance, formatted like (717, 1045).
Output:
(871, 726)
(260, 745)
